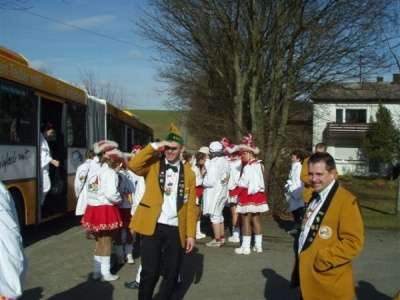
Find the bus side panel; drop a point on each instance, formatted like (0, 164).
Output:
(18, 171)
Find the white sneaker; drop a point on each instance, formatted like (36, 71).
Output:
(243, 250)
(109, 277)
(130, 259)
(222, 241)
(233, 239)
(257, 249)
(96, 276)
(200, 235)
(213, 244)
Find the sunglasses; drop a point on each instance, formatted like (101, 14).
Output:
(170, 148)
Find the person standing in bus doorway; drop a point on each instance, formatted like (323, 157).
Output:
(13, 263)
(101, 214)
(166, 215)
(47, 132)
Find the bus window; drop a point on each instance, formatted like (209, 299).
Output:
(76, 126)
(115, 130)
(17, 123)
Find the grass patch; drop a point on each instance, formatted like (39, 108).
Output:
(160, 121)
(378, 202)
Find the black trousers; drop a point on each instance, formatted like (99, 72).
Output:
(160, 252)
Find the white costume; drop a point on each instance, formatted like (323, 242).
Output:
(45, 159)
(234, 176)
(294, 188)
(102, 187)
(199, 177)
(81, 176)
(252, 179)
(13, 263)
(215, 184)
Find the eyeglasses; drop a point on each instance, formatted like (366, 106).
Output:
(170, 148)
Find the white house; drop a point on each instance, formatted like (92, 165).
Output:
(341, 116)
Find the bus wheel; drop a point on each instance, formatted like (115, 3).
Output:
(19, 206)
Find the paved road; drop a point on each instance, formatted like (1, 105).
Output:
(60, 262)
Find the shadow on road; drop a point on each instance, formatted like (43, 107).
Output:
(34, 233)
(278, 287)
(282, 223)
(191, 272)
(366, 291)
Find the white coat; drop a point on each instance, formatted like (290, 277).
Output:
(215, 184)
(294, 188)
(45, 159)
(13, 263)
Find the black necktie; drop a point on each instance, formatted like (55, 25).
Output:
(173, 168)
(315, 197)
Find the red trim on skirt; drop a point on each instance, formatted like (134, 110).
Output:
(103, 217)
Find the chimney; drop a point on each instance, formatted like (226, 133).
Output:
(379, 79)
(396, 78)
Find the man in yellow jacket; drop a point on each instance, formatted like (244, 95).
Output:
(332, 234)
(166, 215)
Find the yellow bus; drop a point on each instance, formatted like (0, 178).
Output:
(29, 99)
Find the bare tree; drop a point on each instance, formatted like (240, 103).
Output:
(242, 65)
(105, 90)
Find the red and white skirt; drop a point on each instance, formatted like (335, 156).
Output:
(103, 217)
(255, 203)
(234, 195)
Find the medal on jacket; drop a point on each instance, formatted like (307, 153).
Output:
(170, 183)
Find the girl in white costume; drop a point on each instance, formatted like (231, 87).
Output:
(234, 190)
(252, 201)
(101, 214)
(199, 170)
(294, 190)
(81, 175)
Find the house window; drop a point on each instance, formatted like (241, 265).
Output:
(356, 116)
(339, 116)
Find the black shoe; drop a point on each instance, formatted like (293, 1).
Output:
(132, 285)
(178, 286)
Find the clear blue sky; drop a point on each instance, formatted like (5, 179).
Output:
(61, 37)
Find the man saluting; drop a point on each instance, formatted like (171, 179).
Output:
(166, 216)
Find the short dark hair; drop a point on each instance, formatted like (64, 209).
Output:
(298, 154)
(186, 156)
(323, 157)
(321, 145)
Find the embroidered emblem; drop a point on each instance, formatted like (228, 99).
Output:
(93, 184)
(325, 232)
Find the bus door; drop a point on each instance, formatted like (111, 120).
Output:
(54, 202)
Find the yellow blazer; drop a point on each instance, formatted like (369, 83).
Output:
(324, 266)
(144, 221)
